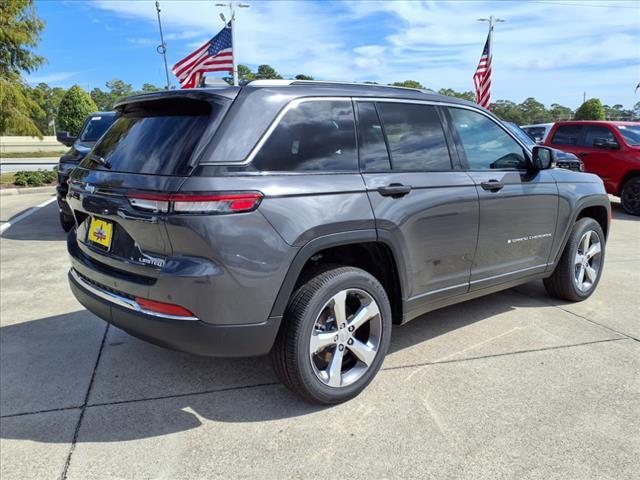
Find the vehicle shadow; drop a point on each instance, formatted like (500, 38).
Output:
(43, 225)
(203, 388)
(619, 213)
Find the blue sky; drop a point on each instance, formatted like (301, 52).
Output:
(553, 50)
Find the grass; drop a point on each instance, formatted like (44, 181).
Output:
(6, 178)
(33, 154)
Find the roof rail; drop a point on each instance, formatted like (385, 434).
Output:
(275, 83)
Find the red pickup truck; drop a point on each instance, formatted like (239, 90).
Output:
(611, 150)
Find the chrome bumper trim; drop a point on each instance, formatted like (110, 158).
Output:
(120, 300)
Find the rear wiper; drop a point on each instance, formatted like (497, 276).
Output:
(100, 160)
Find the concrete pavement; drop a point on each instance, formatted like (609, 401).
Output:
(514, 385)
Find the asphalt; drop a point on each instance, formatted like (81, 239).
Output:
(514, 385)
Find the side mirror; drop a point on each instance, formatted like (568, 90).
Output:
(543, 158)
(65, 138)
(605, 143)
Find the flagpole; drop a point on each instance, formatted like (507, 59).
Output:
(162, 48)
(232, 12)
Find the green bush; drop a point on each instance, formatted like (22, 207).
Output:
(73, 110)
(592, 109)
(34, 178)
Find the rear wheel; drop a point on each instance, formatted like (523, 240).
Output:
(578, 272)
(66, 222)
(334, 336)
(630, 196)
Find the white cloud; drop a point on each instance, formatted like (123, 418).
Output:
(50, 78)
(552, 51)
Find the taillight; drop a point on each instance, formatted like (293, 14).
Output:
(163, 308)
(196, 202)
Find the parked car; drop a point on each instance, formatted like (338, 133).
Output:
(611, 150)
(538, 131)
(305, 218)
(563, 159)
(92, 129)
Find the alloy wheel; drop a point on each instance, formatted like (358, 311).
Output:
(346, 338)
(587, 261)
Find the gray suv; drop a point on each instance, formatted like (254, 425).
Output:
(303, 219)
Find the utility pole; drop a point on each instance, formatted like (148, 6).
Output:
(584, 97)
(232, 13)
(162, 48)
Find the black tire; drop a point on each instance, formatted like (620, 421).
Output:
(66, 222)
(562, 283)
(290, 354)
(630, 196)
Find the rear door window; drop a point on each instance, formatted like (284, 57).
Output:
(415, 137)
(596, 132)
(567, 135)
(314, 136)
(155, 137)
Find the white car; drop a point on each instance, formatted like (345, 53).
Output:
(538, 132)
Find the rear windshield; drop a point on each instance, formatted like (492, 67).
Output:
(95, 127)
(155, 137)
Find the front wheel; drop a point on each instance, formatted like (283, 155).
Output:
(578, 272)
(334, 336)
(630, 196)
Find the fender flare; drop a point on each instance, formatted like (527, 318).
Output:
(321, 243)
(591, 201)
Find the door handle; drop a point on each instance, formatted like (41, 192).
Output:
(395, 190)
(492, 185)
(583, 154)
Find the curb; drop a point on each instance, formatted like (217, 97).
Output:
(26, 190)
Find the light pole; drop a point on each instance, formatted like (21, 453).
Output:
(232, 12)
(162, 48)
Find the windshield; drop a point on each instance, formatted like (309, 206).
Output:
(521, 134)
(631, 134)
(154, 137)
(95, 127)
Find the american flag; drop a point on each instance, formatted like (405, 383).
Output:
(214, 56)
(482, 77)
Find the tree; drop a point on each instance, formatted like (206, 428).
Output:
(592, 109)
(20, 30)
(508, 111)
(102, 99)
(470, 96)
(149, 88)
(266, 72)
(558, 112)
(48, 99)
(533, 111)
(408, 84)
(302, 76)
(74, 108)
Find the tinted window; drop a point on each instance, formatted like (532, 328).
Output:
(537, 133)
(523, 136)
(154, 137)
(95, 127)
(486, 144)
(600, 133)
(312, 136)
(567, 135)
(373, 150)
(415, 136)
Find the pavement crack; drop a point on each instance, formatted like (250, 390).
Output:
(559, 307)
(36, 412)
(65, 470)
(505, 354)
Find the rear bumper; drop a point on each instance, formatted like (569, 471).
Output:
(187, 335)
